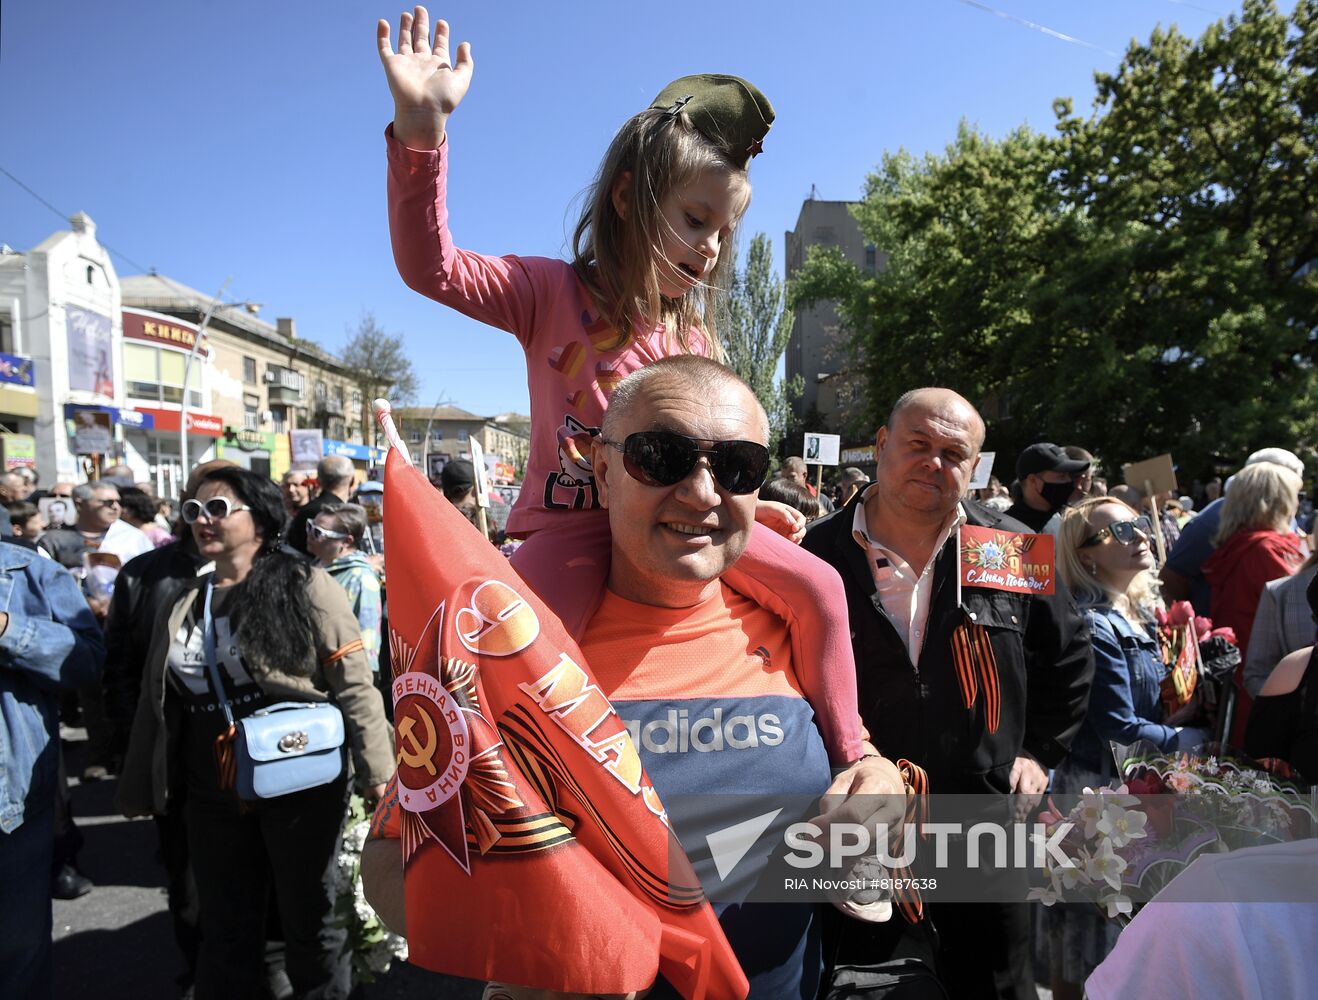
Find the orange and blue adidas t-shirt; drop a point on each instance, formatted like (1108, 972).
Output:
(713, 705)
(708, 694)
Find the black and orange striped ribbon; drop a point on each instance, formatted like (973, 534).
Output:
(963, 658)
(347, 649)
(226, 760)
(977, 670)
(907, 897)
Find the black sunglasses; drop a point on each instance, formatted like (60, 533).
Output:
(663, 458)
(1122, 531)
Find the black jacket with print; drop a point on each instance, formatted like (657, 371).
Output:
(1044, 666)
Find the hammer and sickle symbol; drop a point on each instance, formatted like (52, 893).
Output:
(420, 755)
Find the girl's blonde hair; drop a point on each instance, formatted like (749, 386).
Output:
(1141, 598)
(1262, 495)
(618, 259)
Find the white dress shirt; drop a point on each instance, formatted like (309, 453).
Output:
(906, 591)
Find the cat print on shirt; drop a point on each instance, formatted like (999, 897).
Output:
(573, 486)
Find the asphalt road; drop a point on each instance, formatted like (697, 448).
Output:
(117, 942)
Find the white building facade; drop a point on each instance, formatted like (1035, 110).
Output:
(61, 309)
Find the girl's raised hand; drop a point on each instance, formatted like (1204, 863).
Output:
(426, 85)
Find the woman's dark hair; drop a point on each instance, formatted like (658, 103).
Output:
(139, 503)
(274, 619)
(792, 494)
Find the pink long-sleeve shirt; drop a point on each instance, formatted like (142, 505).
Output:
(572, 367)
(572, 363)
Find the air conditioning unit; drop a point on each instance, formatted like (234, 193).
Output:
(271, 376)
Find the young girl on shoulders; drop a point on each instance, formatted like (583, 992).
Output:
(650, 254)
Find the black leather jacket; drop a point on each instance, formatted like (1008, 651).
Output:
(1041, 644)
(146, 584)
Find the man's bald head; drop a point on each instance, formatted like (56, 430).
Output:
(939, 401)
(689, 373)
(335, 473)
(671, 543)
(925, 455)
(11, 487)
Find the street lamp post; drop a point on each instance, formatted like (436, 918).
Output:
(425, 445)
(215, 305)
(187, 374)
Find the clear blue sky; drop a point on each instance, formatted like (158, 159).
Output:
(232, 138)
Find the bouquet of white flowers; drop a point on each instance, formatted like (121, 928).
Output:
(1125, 843)
(374, 947)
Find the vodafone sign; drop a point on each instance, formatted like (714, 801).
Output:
(203, 424)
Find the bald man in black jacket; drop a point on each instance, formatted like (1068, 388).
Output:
(896, 546)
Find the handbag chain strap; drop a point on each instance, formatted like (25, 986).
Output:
(208, 644)
(226, 760)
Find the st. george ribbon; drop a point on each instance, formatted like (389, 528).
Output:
(535, 849)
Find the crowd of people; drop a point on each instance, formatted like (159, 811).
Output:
(693, 583)
(128, 609)
(1060, 676)
(141, 607)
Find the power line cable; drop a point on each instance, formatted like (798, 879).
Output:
(183, 291)
(1195, 6)
(64, 217)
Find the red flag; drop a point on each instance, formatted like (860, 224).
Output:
(536, 851)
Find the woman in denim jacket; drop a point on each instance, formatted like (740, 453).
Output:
(1103, 556)
(49, 643)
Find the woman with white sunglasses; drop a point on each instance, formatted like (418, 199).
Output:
(334, 537)
(1104, 558)
(279, 631)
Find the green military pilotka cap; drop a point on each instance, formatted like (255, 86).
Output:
(728, 111)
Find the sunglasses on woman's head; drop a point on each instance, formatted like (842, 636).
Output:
(1122, 531)
(215, 509)
(315, 531)
(663, 458)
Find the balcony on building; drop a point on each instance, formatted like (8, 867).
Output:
(285, 385)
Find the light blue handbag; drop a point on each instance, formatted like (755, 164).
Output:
(288, 747)
(284, 748)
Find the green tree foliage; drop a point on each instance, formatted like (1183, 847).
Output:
(380, 367)
(1145, 280)
(755, 327)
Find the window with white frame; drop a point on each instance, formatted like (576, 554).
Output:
(154, 375)
(251, 412)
